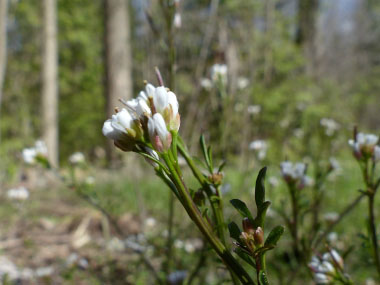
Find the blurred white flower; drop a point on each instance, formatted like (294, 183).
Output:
(325, 267)
(273, 181)
(242, 82)
(189, 247)
(20, 193)
(332, 237)
(30, 154)
(260, 146)
(179, 244)
(364, 145)
(330, 126)
(331, 217)
(77, 158)
(150, 222)
(334, 163)
(254, 109)
(177, 20)
(219, 73)
(206, 83)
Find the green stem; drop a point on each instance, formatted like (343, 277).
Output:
(169, 241)
(372, 227)
(196, 216)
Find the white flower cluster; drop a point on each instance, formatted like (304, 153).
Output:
(77, 158)
(148, 119)
(325, 267)
(30, 155)
(261, 147)
(254, 109)
(20, 193)
(331, 126)
(295, 173)
(219, 73)
(365, 146)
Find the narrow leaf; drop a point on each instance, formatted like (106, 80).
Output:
(274, 236)
(261, 214)
(242, 208)
(245, 256)
(260, 187)
(202, 142)
(234, 230)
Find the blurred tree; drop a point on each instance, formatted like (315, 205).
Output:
(3, 44)
(118, 58)
(307, 15)
(50, 81)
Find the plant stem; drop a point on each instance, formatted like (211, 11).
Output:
(169, 241)
(196, 216)
(294, 222)
(216, 204)
(372, 227)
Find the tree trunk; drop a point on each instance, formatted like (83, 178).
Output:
(50, 81)
(3, 45)
(307, 17)
(118, 58)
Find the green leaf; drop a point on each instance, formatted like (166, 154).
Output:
(242, 208)
(209, 153)
(274, 236)
(221, 166)
(261, 214)
(234, 230)
(245, 256)
(260, 187)
(202, 142)
(263, 278)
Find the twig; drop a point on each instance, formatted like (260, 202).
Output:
(341, 216)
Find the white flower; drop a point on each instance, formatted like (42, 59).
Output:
(219, 73)
(160, 137)
(334, 163)
(177, 20)
(260, 146)
(150, 222)
(76, 158)
(332, 237)
(178, 244)
(150, 90)
(364, 145)
(20, 193)
(206, 83)
(122, 121)
(254, 109)
(110, 132)
(30, 154)
(142, 108)
(242, 82)
(331, 217)
(330, 126)
(273, 181)
(321, 278)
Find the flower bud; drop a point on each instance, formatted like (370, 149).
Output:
(248, 226)
(259, 236)
(160, 138)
